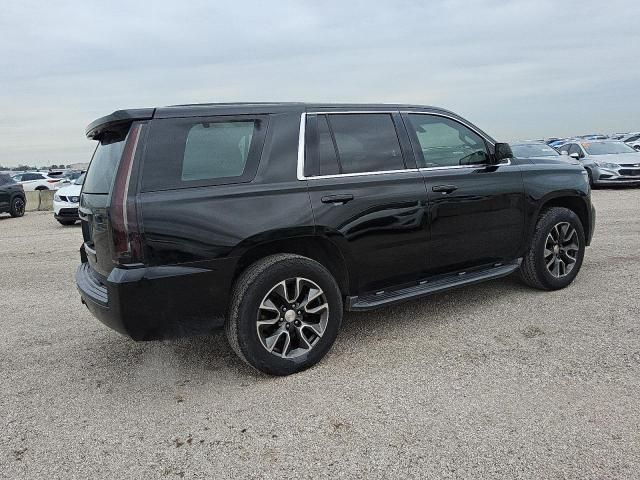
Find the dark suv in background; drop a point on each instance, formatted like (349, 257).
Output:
(271, 219)
(12, 198)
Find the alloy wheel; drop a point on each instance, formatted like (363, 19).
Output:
(18, 206)
(292, 317)
(561, 249)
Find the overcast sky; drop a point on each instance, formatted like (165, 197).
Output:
(519, 69)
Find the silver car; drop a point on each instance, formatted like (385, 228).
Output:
(607, 162)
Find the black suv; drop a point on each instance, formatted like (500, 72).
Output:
(12, 197)
(271, 219)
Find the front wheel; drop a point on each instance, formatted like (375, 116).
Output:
(556, 250)
(284, 315)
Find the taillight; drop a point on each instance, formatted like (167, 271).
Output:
(124, 218)
(53, 181)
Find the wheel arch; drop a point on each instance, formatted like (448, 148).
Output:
(317, 248)
(576, 204)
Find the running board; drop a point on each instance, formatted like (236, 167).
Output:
(385, 298)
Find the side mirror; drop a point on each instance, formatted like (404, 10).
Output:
(575, 155)
(502, 152)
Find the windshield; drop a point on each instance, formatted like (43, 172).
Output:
(607, 148)
(529, 150)
(79, 180)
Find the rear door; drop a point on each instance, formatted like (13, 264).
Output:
(367, 194)
(476, 208)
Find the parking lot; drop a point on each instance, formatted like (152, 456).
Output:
(495, 380)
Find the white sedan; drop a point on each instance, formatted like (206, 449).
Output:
(65, 202)
(31, 181)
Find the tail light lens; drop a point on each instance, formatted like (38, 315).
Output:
(123, 212)
(53, 181)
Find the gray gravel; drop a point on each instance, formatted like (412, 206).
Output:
(492, 381)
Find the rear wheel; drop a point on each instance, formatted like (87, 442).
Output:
(556, 250)
(17, 207)
(285, 314)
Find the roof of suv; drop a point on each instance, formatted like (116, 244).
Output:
(119, 117)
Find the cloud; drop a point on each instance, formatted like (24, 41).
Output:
(520, 69)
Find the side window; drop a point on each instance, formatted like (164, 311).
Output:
(447, 143)
(30, 176)
(192, 152)
(574, 148)
(216, 150)
(366, 142)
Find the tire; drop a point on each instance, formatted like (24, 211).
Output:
(17, 207)
(66, 223)
(255, 287)
(534, 269)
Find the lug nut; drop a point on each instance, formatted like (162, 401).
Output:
(297, 322)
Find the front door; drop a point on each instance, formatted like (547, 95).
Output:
(367, 195)
(476, 209)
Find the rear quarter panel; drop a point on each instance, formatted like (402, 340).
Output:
(211, 227)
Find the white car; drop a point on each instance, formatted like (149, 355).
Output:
(65, 202)
(31, 181)
(633, 140)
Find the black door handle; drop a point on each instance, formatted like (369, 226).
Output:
(444, 188)
(337, 199)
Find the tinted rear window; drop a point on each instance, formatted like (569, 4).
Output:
(192, 152)
(104, 164)
(366, 142)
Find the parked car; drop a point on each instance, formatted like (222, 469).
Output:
(12, 198)
(271, 219)
(534, 150)
(607, 162)
(65, 202)
(36, 181)
(633, 140)
(69, 178)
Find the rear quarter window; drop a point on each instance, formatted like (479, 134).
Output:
(193, 152)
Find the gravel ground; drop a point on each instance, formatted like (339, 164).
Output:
(492, 381)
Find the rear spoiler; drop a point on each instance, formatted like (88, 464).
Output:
(117, 119)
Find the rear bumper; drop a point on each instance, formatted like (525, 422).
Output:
(152, 303)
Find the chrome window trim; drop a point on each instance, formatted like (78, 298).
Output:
(476, 165)
(301, 145)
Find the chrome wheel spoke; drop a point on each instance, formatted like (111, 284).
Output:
(272, 340)
(315, 328)
(319, 308)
